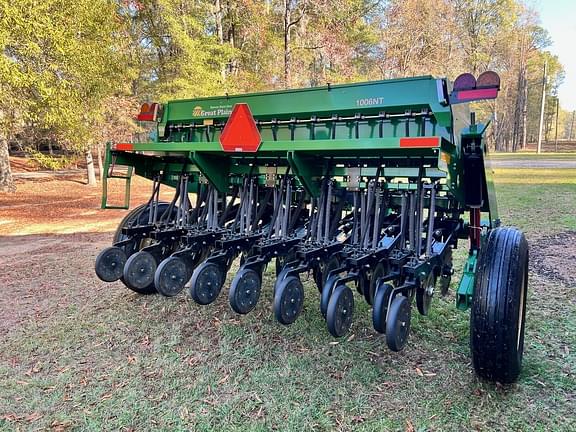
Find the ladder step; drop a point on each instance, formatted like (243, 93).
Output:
(116, 207)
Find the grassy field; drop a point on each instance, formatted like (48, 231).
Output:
(102, 358)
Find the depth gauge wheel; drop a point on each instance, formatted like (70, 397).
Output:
(288, 300)
(110, 264)
(245, 291)
(171, 276)
(340, 311)
(498, 311)
(206, 283)
(398, 323)
(138, 274)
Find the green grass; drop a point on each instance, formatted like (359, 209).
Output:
(112, 360)
(539, 201)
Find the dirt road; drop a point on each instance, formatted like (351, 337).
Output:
(533, 163)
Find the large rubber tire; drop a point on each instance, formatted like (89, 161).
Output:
(136, 216)
(499, 306)
(139, 216)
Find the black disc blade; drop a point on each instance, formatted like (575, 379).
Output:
(380, 310)
(424, 294)
(379, 271)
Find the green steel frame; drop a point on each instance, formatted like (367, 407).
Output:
(331, 130)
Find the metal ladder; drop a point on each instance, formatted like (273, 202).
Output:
(109, 165)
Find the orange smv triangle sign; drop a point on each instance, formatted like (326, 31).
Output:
(240, 133)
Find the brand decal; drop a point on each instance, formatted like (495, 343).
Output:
(370, 101)
(212, 111)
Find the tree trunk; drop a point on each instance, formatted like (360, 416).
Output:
(287, 26)
(90, 169)
(6, 180)
(218, 15)
(524, 131)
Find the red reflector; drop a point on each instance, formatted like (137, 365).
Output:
(146, 117)
(240, 133)
(420, 142)
(485, 93)
(149, 112)
(124, 146)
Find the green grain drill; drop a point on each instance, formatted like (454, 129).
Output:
(365, 187)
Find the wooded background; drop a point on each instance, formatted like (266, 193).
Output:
(73, 72)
